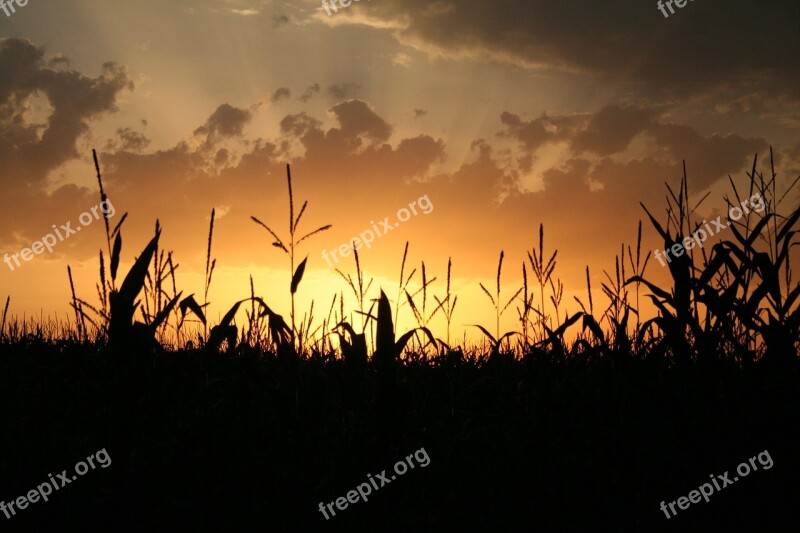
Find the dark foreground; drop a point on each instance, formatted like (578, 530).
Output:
(202, 442)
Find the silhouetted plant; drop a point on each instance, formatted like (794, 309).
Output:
(496, 342)
(3, 323)
(297, 275)
(543, 272)
(741, 318)
(359, 288)
(124, 301)
(448, 303)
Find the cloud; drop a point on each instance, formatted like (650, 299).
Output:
(704, 46)
(355, 155)
(245, 12)
(340, 91)
(227, 121)
(130, 141)
(483, 196)
(611, 129)
(282, 92)
(414, 156)
(357, 168)
(357, 118)
(310, 91)
(545, 129)
(299, 124)
(29, 151)
(709, 158)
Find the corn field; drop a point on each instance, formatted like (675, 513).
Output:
(576, 421)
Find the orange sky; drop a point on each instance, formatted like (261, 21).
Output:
(504, 115)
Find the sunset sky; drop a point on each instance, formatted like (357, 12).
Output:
(506, 114)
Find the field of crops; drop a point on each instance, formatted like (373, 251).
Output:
(571, 422)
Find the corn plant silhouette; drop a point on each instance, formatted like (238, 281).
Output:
(118, 306)
(549, 335)
(764, 309)
(677, 319)
(116, 235)
(402, 284)
(3, 323)
(297, 275)
(448, 303)
(543, 273)
(359, 288)
(421, 314)
(189, 303)
(386, 359)
(497, 339)
(107, 283)
(121, 331)
(590, 322)
(739, 285)
(354, 351)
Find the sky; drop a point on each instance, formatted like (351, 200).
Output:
(494, 117)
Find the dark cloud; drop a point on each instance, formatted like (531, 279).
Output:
(545, 129)
(279, 20)
(414, 156)
(310, 91)
(611, 129)
(709, 158)
(420, 113)
(706, 45)
(299, 124)
(222, 157)
(227, 121)
(343, 146)
(280, 93)
(29, 151)
(340, 91)
(129, 140)
(58, 60)
(357, 119)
